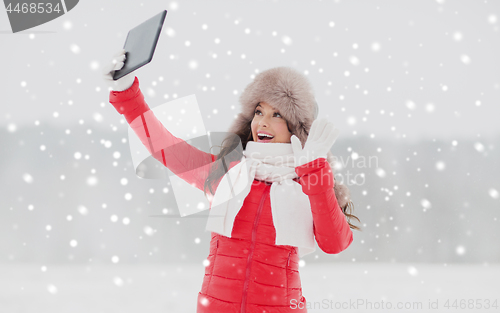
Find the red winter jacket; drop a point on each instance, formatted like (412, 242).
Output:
(247, 272)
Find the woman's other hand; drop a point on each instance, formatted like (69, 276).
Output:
(117, 63)
(322, 136)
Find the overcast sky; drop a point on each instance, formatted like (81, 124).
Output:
(402, 69)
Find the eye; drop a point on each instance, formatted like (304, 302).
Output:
(258, 111)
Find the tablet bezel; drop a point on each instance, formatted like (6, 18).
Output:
(130, 63)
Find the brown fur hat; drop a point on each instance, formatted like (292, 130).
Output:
(289, 92)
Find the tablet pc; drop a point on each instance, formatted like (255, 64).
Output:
(140, 44)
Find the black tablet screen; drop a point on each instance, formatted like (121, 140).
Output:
(140, 44)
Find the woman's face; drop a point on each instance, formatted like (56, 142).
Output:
(267, 120)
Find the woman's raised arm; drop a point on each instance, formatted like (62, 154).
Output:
(331, 229)
(184, 160)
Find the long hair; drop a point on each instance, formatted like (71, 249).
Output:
(229, 152)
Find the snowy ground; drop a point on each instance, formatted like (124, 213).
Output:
(173, 288)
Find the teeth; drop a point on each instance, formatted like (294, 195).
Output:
(265, 135)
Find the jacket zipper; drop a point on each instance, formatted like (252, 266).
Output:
(250, 253)
(286, 271)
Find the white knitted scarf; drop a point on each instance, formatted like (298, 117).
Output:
(290, 207)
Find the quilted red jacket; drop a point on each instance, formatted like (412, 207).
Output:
(247, 272)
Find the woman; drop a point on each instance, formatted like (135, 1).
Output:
(259, 232)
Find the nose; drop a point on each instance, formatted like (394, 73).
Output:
(263, 121)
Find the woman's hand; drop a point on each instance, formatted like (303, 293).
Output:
(321, 138)
(117, 63)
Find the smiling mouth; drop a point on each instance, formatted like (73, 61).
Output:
(264, 138)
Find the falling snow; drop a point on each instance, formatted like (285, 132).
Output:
(422, 114)
(75, 49)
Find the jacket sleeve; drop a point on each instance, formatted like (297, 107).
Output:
(184, 160)
(331, 228)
